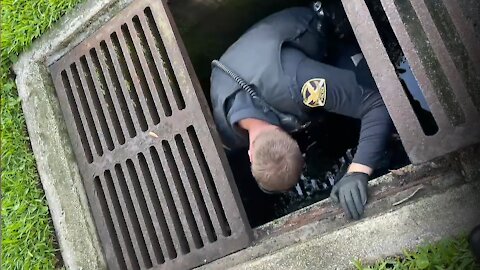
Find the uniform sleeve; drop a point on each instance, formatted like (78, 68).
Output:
(241, 106)
(346, 97)
(376, 127)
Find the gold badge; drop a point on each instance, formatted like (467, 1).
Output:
(314, 92)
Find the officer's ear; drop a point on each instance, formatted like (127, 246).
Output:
(250, 150)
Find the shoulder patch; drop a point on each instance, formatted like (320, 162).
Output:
(314, 92)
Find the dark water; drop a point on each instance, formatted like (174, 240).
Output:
(328, 146)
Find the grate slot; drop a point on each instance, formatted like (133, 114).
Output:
(163, 189)
(117, 83)
(153, 58)
(117, 230)
(133, 85)
(167, 74)
(118, 98)
(130, 217)
(76, 116)
(137, 189)
(85, 110)
(105, 97)
(155, 209)
(140, 59)
(164, 90)
(456, 48)
(200, 211)
(208, 184)
(433, 67)
(180, 197)
(110, 227)
(94, 102)
(83, 119)
(425, 118)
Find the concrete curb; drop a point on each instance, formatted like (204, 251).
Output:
(59, 174)
(430, 219)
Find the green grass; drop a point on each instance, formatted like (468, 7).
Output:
(451, 254)
(28, 240)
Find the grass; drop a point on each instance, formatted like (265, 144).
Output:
(452, 253)
(28, 240)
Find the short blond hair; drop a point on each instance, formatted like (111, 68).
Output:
(277, 160)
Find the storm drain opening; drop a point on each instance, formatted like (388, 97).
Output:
(427, 104)
(150, 163)
(329, 146)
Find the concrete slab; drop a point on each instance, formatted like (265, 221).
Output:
(386, 194)
(59, 173)
(470, 161)
(430, 219)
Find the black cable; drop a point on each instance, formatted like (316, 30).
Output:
(236, 78)
(245, 86)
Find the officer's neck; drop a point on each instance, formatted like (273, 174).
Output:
(255, 127)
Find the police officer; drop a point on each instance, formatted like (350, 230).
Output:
(273, 79)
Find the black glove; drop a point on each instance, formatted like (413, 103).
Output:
(351, 192)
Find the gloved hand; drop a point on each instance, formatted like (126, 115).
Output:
(351, 192)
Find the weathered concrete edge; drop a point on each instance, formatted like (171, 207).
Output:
(430, 219)
(315, 225)
(58, 171)
(379, 181)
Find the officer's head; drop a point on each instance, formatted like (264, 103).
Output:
(276, 160)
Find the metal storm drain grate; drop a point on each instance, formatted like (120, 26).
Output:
(151, 163)
(441, 46)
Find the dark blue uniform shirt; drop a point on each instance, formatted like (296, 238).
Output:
(350, 91)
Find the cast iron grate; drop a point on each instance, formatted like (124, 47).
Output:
(151, 163)
(441, 46)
